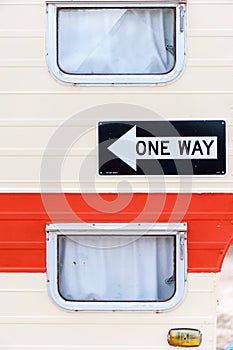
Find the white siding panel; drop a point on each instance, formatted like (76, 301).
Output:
(22, 15)
(206, 77)
(209, 78)
(33, 106)
(211, 15)
(211, 50)
(18, 49)
(78, 174)
(36, 323)
(60, 106)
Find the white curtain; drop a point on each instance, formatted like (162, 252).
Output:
(116, 268)
(116, 41)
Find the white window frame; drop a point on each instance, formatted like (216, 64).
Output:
(114, 79)
(178, 230)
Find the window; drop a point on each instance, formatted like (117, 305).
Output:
(116, 266)
(116, 43)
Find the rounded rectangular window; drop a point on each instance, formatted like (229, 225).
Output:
(120, 43)
(116, 267)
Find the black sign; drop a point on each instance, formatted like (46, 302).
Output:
(162, 148)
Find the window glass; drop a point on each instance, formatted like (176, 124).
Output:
(114, 268)
(116, 40)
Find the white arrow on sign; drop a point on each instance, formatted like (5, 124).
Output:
(124, 148)
(129, 147)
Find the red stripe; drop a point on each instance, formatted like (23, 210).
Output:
(23, 218)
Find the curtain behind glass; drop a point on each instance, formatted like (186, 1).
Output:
(116, 41)
(116, 268)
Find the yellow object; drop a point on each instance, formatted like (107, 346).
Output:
(184, 337)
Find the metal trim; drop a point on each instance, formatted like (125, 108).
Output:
(112, 79)
(176, 229)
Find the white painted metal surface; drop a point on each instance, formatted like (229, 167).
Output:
(29, 319)
(35, 109)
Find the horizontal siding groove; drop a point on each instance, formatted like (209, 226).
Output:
(206, 245)
(53, 320)
(72, 187)
(82, 124)
(39, 152)
(44, 216)
(81, 347)
(216, 33)
(21, 33)
(21, 245)
(22, 3)
(27, 216)
(139, 185)
(21, 290)
(15, 63)
(192, 62)
(25, 269)
(85, 347)
(209, 2)
(40, 2)
(78, 91)
(137, 180)
(39, 63)
(88, 347)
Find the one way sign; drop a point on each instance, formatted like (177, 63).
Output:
(162, 148)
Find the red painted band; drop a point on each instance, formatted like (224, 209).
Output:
(23, 218)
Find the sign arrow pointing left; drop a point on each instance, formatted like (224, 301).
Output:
(124, 148)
